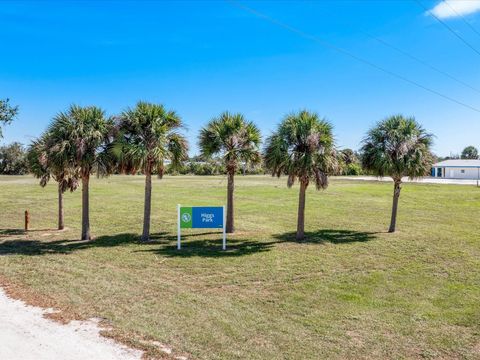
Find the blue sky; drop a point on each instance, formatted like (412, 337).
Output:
(201, 58)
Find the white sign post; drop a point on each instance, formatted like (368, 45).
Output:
(179, 229)
(224, 243)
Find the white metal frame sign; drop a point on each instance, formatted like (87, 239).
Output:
(201, 217)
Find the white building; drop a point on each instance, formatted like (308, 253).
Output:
(457, 169)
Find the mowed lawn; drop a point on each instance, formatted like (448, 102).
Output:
(350, 291)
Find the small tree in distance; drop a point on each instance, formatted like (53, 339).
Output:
(7, 113)
(470, 152)
(13, 159)
(303, 149)
(397, 147)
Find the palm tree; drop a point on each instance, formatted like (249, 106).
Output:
(82, 134)
(46, 160)
(148, 136)
(302, 148)
(397, 147)
(237, 141)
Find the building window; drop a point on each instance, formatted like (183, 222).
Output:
(462, 171)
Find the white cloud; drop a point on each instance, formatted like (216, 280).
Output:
(455, 8)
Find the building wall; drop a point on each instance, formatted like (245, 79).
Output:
(461, 173)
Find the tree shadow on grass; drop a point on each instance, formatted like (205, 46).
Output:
(212, 248)
(166, 237)
(167, 243)
(10, 232)
(37, 247)
(328, 236)
(203, 247)
(235, 247)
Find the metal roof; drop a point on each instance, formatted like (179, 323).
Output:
(458, 163)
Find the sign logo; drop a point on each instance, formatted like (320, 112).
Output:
(186, 217)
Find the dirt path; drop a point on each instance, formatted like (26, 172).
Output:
(25, 334)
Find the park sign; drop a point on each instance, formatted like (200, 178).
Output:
(201, 217)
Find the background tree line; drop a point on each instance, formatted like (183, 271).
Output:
(13, 161)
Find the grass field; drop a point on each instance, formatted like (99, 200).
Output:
(350, 291)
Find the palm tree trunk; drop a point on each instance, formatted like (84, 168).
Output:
(230, 228)
(61, 220)
(85, 207)
(148, 205)
(301, 212)
(396, 194)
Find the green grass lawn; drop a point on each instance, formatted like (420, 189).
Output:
(350, 291)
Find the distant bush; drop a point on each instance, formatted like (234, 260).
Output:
(256, 170)
(353, 169)
(349, 163)
(13, 159)
(210, 167)
(470, 152)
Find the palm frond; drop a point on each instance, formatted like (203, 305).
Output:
(302, 148)
(48, 159)
(146, 137)
(233, 138)
(397, 147)
(79, 135)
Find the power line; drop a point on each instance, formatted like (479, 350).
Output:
(463, 18)
(447, 27)
(346, 52)
(424, 63)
